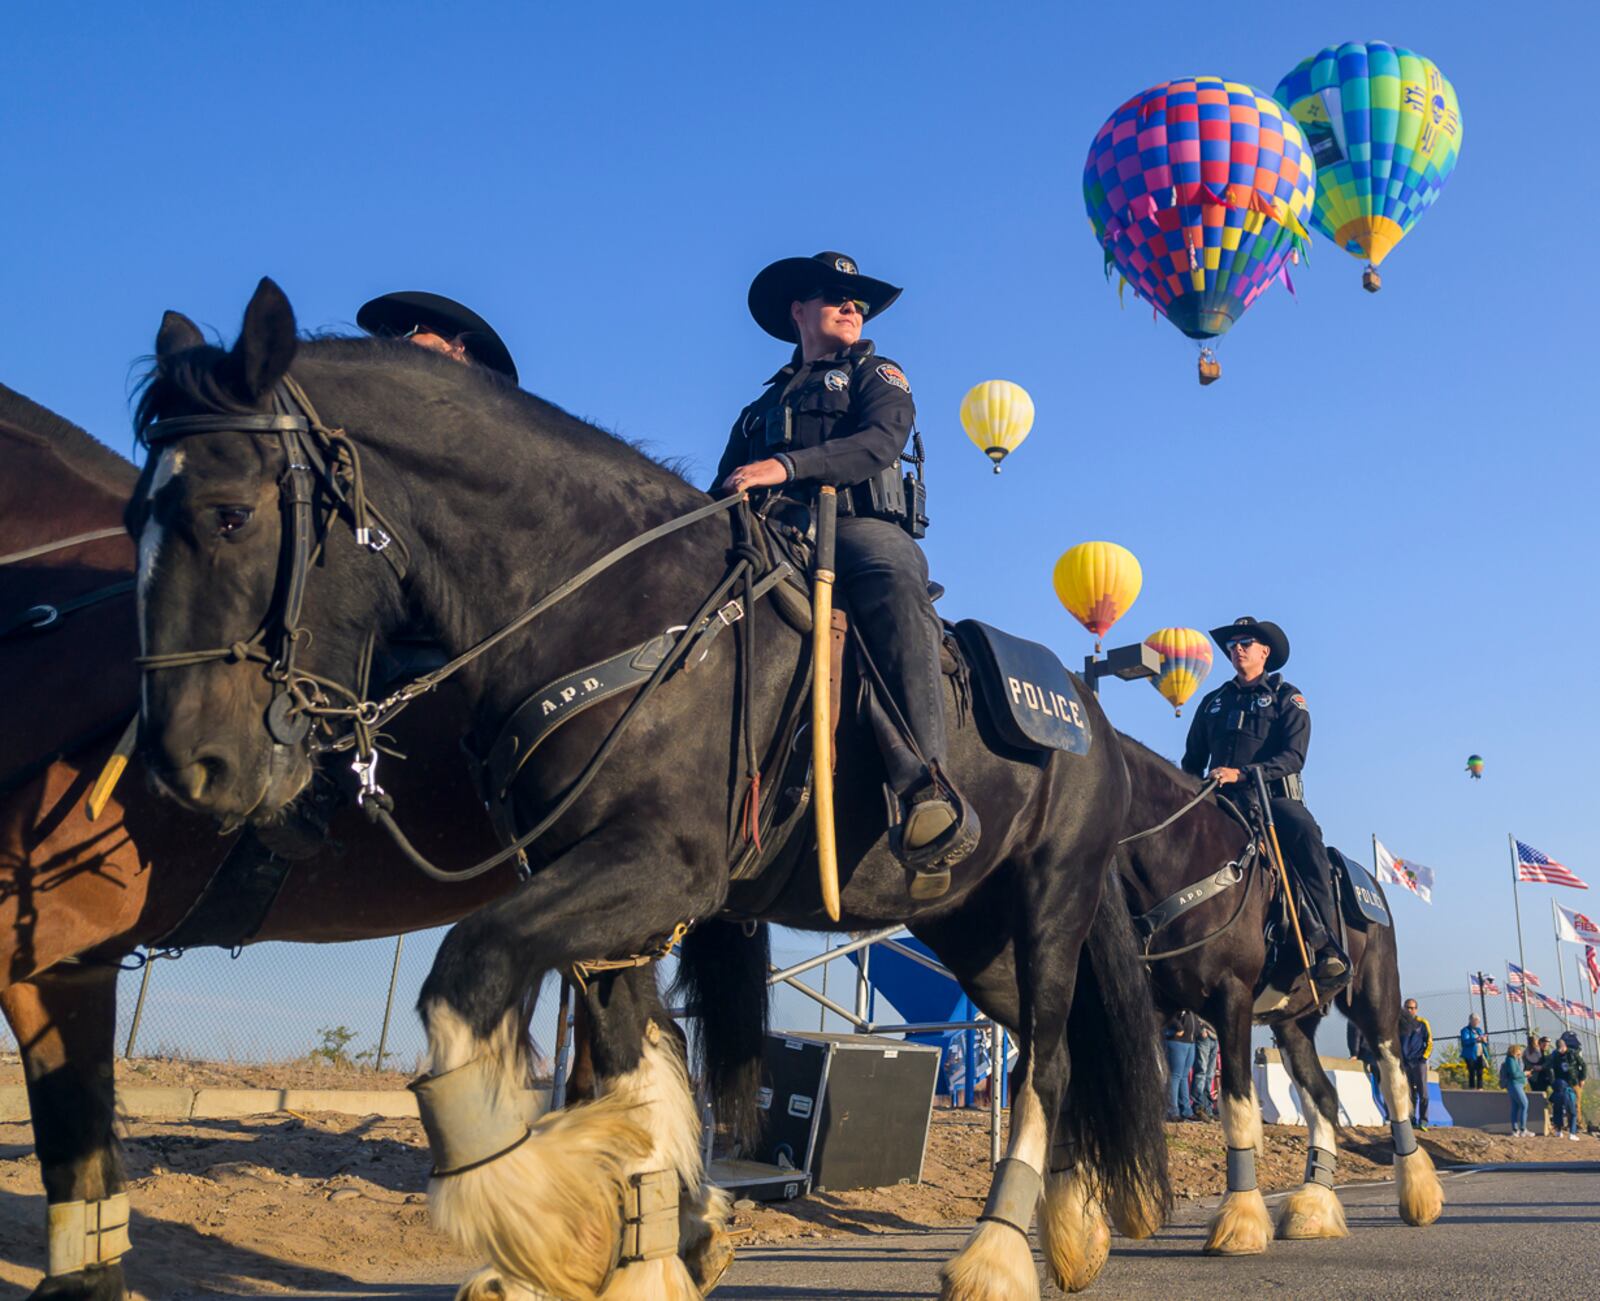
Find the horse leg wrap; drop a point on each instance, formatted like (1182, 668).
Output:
(1319, 1167)
(649, 1217)
(1405, 1138)
(469, 1120)
(1242, 1169)
(1014, 1195)
(88, 1233)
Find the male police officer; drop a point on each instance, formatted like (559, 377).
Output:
(439, 324)
(839, 413)
(1257, 720)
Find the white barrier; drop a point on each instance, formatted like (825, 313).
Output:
(1280, 1098)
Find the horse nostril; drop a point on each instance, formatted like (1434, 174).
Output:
(208, 770)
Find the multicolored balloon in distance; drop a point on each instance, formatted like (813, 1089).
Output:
(1097, 582)
(1475, 765)
(1197, 190)
(997, 416)
(1385, 130)
(1185, 662)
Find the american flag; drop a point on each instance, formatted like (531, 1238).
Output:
(1534, 866)
(1483, 986)
(1592, 962)
(1517, 976)
(1514, 995)
(1549, 1004)
(1575, 1008)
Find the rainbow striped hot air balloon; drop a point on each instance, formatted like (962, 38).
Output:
(1475, 765)
(1097, 582)
(1185, 662)
(1385, 129)
(1197, 190)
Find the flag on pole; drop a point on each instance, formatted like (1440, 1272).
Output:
(1514, 995)
(1575, 1008)
(1403, 872)
(1591, 961)
(1518, 976)
(1541, 868)
(1545, 1001)
(1484, 986)
(1573, 927)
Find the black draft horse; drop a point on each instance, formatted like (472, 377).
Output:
(496, 498)
(1220, 972)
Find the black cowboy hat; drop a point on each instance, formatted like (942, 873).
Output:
(1262, 630)
(393, 316)
(794, 278)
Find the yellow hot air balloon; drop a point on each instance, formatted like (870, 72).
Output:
(1185, 661)
(997, 416)
(1097, 582)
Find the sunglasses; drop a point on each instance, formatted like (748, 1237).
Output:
(1241, 643)
(841, 297)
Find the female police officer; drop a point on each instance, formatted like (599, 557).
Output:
(840, 414)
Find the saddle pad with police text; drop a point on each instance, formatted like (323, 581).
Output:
(1364, 904)
(1030, 695)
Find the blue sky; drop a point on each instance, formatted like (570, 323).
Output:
(1403, 481)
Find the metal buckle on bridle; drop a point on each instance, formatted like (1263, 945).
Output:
(41, 616)
(365, 536)
(365, 767)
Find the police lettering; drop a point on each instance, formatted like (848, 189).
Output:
(1052, 704)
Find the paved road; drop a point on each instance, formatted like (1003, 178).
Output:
(1535, 1224)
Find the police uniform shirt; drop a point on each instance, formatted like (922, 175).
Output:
(1265, 725)
(852, 416)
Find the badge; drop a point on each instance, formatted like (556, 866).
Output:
(1262, 701)
(1299, 702)
(1216, 706)
(894, 375)
(846, 265)
(837, 380)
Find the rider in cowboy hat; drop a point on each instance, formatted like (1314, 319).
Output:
(439, 324)
(1257, 720)
(840, 413)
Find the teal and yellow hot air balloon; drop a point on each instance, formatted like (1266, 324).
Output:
(1385, 130)
(1475, 765)
(1185, 661)
(997, 416)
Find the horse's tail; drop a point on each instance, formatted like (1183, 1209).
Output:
(722, 975)
(1116, 1102)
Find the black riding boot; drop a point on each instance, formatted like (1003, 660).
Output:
(1307, 859)
(885, 576)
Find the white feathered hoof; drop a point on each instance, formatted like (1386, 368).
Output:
(491, 1285)
(1073, 1232)
(547, 1215)
(1241, 1226)
(1312, 1211)
(1421, 1195)
(707, 1246)
(652, 1280)
(995, 1265)
(708, 1260)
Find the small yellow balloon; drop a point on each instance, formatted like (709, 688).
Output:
(997, 416)
(1097, 582)
(1185, 661)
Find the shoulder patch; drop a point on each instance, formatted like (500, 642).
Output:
(890, 374)
(1297, 700)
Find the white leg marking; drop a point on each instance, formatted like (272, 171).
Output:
(1073, 1231)
(1241, 1226)
(1417, 1186)
(1313, 1210)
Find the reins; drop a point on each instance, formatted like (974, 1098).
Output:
(1206, 787)
(76, 540)
(316, 454)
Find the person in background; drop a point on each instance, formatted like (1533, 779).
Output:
(1416, 1046)
(1564, 1073)
(1514, 1080)
(1178, 1037)
(1474, 1050)
(1205, 1070)
(440, 325)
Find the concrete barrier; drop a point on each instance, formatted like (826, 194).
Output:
(223, 1104)
(1490, 1110)
(1280, 1099)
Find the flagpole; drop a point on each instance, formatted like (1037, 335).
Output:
(1594, 1018)
(1566, 1019)
(1522, 958)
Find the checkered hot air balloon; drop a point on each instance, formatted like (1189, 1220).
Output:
(1185, 661)
(1385, 130)
(1197, 190)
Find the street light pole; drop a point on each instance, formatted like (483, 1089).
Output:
(1130, 663)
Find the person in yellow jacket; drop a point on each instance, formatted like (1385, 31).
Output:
(1416, 1046)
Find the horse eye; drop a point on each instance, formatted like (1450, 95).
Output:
(230, 519)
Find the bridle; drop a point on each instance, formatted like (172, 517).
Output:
(317, 456)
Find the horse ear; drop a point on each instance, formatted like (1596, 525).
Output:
(266, 344)
(177, 334)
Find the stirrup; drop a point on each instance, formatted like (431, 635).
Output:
(936, 857)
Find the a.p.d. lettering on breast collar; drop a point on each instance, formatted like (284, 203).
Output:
(894, 375)
(836, 380)
(567, 695)
(1052, 704)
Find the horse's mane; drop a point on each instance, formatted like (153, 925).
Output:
(1185, 781)
(199, 376)
(76, 449)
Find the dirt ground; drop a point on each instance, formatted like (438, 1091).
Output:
(279, 1204)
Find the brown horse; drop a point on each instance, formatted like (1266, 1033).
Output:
(78, 896)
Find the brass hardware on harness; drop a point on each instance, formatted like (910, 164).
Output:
(581, 971)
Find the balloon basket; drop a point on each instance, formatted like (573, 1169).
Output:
(1210, 367)
(1371, 281)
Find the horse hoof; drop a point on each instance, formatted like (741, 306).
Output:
(708, 1260)
(492, 1285)
(1421, 1196)
(995, 1265)
(1312, 1211)
(97, 1283)
(1241, 1226)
